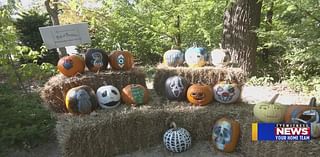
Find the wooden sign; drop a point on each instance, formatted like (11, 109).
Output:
(65, 35)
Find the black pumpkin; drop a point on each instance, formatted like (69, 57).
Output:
(176, 88)
(96, 60)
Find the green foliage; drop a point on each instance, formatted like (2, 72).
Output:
(24, 123)
(27, 26)
(148, 28)
(260, 81)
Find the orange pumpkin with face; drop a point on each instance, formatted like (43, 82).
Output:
(71, 65)
(199, 94)
(121, 60)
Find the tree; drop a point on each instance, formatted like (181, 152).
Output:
(241, 20)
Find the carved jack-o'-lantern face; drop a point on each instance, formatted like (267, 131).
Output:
(225, 92)
(71, 65)
(199, 94)
(81, 100)
(135, 94)
(121, 60)
(108, 96)
(173, 58)
(196, 57)
(96, 60)
(225, 134)
(176, 88)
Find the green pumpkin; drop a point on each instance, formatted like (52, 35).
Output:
(270, 112)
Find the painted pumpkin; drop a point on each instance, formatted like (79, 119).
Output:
(121, 60)
(177, 139)
(270, 112)
(226, 134)
(71, 65)
(226, 92)
(173, 58)
(195, 56)
(305, 114)
(108, 96)
(176, 88)
(96, 60)
(135, 94)
(199, 94)
(220, 57)
(81, 100)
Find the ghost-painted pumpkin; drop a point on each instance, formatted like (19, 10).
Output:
(96, 60)
(199, 94)
(121, 60)
(177, 139)
(220, 57)
(176, 88)
(270, 112)
(108, 96)
(226, 92)
(71, 65)
(135, 94)
(226, 134)
(173, 58)
(81, 100)
(195, 56)
(305, 114)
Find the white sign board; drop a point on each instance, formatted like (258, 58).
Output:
(65, 35)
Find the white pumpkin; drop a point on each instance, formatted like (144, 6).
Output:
(108, 96)
(177, 139)
(220, 57)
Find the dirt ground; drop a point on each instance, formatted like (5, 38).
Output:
(250, 94)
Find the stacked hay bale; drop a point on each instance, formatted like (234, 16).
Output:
(207, 75)
(55, 89)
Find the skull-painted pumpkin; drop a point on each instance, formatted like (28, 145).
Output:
(176, 88)
(199, 94)
(135, 94)
(96, 60)
(226, 134)
(196, 56)
(270, 112)
(226, 92)
(81, 100)
(121, 60)
(71, 65)
(177, 139)
(173, 58)
(305, 114)
(220, 57)
(108, 96)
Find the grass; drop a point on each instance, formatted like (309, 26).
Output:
(24, 123)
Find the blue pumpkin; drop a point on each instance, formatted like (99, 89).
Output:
(196, 56)
(173, 58)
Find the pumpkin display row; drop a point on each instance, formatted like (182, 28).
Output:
(271, 112)
(95, 60)
(178, 88)
(196, 57)
(83, 99)
(225, 136)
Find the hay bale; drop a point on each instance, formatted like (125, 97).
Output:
(207, 75)
(125, 130)
(55, 89)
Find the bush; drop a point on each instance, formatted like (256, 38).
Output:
(24, 123)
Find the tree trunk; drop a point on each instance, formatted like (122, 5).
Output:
(241, 20)
(53, 12)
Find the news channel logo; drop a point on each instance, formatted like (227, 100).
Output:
(281, 132)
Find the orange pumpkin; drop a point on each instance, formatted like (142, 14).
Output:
(296, 111)
(226, 134)
(121, 60)
(135, 94)
(199, 94)
(71, 65)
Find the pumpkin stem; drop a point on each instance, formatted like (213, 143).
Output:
(194, 44)
(119, 47)
(313, 102)
(173, 125)
(274, 98)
